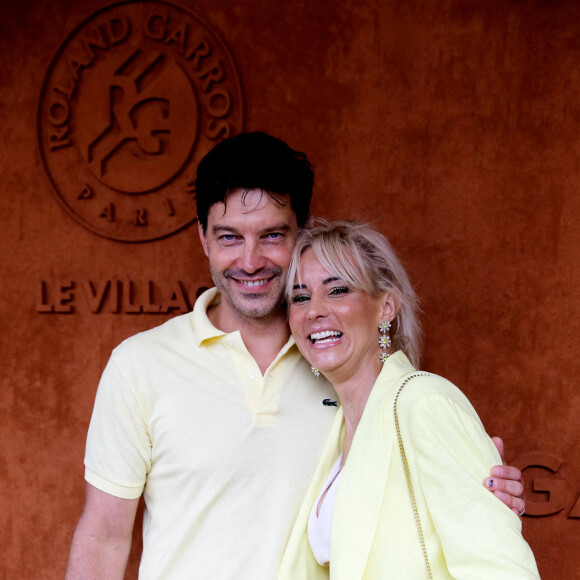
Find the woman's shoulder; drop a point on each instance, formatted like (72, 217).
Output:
(425, 392)
(421, 383)
(432, 413)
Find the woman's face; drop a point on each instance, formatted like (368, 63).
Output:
(335, 326)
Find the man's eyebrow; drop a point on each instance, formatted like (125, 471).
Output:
(277, 227)
(284, 227)
(219, 228)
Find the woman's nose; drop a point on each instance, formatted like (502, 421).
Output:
(316, 308)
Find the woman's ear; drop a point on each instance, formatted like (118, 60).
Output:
(389, 306)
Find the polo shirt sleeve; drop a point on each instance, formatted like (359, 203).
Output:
(118, 452)
(480, 536)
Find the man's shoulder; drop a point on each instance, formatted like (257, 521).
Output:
(176, 331)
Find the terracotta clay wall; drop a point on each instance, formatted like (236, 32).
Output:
(450, 124)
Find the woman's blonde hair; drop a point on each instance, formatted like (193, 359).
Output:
(365, 259)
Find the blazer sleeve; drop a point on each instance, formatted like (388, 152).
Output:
(450, 454)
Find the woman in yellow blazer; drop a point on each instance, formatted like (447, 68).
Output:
(404, 499)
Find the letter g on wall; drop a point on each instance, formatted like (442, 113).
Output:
(550, 486)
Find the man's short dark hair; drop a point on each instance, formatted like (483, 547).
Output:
(254, 161)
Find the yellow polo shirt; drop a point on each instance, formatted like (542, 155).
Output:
(222, 454)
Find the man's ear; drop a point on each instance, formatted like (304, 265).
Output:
(202, 237)
(309, 221)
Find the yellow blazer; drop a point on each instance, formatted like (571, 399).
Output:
(468, 533)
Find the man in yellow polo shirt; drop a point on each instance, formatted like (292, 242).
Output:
(214, 416)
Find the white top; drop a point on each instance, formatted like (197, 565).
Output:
(222, 454)
(320, 526)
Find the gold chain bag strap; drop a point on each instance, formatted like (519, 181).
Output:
(408, 474)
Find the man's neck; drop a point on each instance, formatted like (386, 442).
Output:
(264, 337)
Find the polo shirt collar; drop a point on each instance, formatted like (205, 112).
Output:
(203, 329)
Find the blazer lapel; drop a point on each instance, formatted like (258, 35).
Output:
(364, 480)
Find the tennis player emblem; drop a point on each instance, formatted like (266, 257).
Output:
(133, 99)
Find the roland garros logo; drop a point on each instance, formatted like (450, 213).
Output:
(134, 98)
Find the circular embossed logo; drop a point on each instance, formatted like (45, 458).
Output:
(134, 98)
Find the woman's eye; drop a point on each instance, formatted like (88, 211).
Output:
(339, 290)
(300, 298)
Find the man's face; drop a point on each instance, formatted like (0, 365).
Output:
(249, 242)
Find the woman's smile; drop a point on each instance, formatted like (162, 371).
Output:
(325, 337)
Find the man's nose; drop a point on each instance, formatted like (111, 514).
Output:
(252, 258)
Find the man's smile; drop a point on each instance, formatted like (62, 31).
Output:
(253, 283)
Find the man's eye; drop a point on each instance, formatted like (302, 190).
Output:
(339, 290)
(227, 238)
(300, 298)
(274, 236)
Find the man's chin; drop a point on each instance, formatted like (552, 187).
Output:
(258, 305)
(254, 303)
